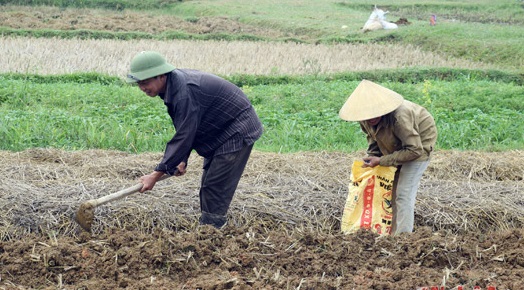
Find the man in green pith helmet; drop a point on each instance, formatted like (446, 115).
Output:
(211, 116)
(399, 133)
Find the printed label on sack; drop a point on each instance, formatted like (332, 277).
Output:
(365, 219)
(384, 227)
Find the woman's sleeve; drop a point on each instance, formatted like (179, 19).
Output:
(405, 129)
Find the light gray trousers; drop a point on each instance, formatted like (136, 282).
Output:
(407, 181)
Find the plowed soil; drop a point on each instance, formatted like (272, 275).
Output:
(284, 229)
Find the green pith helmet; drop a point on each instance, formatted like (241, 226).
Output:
(148, 64)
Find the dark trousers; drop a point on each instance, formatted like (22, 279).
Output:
(219, 183)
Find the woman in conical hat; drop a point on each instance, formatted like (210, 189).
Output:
(399, 133)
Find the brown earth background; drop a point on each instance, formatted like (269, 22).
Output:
(284, 229)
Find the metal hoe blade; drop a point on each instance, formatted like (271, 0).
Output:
(85, 215)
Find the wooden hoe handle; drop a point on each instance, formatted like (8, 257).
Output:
(120, 194)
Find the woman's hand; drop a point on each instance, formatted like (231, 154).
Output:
(371, 161)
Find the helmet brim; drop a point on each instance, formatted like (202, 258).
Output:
(149, 73)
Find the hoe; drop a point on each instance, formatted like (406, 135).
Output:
(86, 213)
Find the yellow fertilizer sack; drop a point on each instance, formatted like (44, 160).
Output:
(368, 205)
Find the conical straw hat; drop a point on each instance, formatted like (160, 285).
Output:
(368, 101)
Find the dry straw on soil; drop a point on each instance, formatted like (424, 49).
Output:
(59, 56)
(464, 192)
